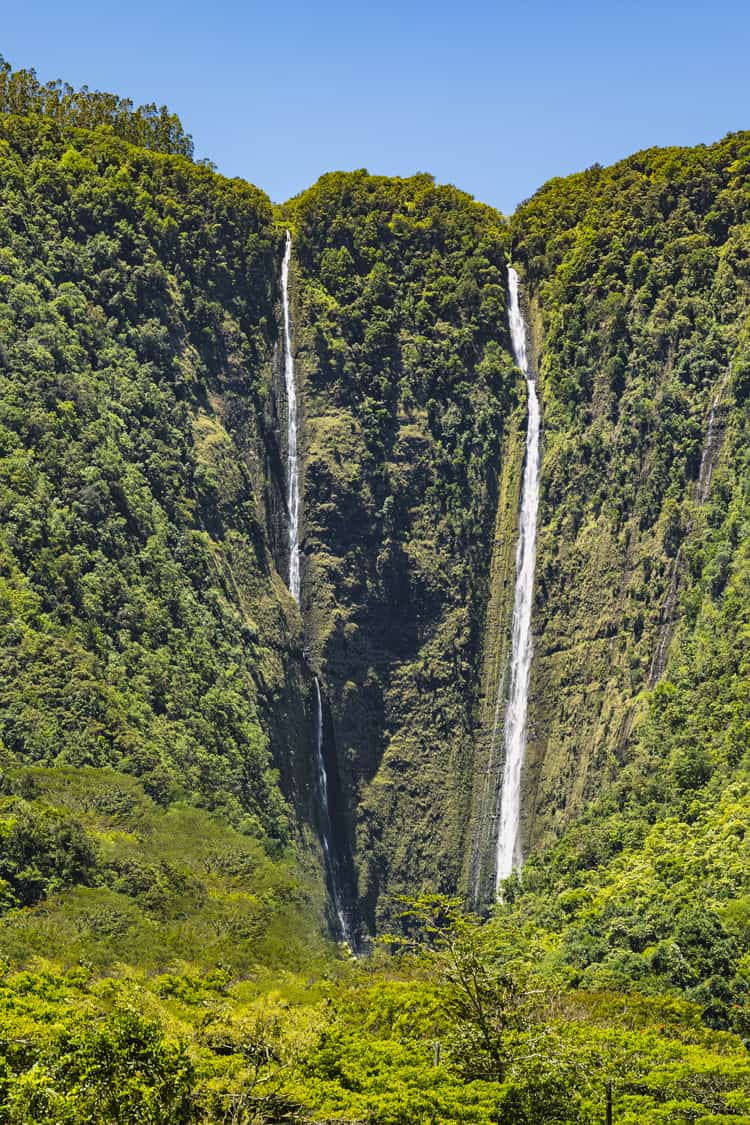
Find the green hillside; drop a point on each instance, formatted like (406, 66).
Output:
(638, 279)
(145, 630)
(166, 862)
(644, 677)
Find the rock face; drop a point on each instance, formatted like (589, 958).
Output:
(144, 490)
(639, 282)
(637, 294)
(408, 389)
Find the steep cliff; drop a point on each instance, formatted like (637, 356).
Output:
(408, 387)
(162, 863)
(637, 277)
(146, 628)
(144, 504)
(144, 488)
(639, 756)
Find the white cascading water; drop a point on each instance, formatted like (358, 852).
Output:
(508, 838)
(291, 403)
(293, 504)
(326, 819)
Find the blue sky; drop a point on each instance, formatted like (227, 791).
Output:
(491, 96)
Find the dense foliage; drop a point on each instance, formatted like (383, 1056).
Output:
(639, 290)
(161, 904)
(459, 1029)
(114, 878)
(640, 277)
(22, 93)
(135, 294)
(402, 348)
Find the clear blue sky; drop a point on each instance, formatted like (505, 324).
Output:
(491, 96)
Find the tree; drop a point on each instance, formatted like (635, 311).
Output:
(501, 1013)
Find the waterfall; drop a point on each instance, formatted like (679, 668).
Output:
(292, 459)
(293, 507)
(508, 837)
(326, 832)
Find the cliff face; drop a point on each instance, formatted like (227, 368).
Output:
(638, 283)
(145, 523)
(636, 296)
(164, 845)
(144, 535)
(145, 625)
(407, 384)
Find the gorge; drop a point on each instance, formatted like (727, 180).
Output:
(278, 526)
(331, 862)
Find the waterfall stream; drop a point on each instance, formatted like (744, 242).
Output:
(293, 506)
(326, 834)
(292, 459)
(508, 854)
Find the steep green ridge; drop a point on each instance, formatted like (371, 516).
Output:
(136, 320)
(641, 277)
(407, 383)
(162, 916)
(637, 279)
(144, 626)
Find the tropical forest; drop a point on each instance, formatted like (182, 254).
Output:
(374, 638)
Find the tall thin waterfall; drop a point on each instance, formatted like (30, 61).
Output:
(291, 432)
(326, 834)
(508, 837)
(293, 505)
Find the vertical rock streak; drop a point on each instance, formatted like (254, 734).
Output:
(292, 459)
(711, 444)
(293, 505)
(508, 854)
(668, 617)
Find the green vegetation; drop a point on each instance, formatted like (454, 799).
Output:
(402, 349)
(161, 888)
(22, 93)
(136, 311)
(639, 291)
(114, 878)
(459, 1029)
(645, 526)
